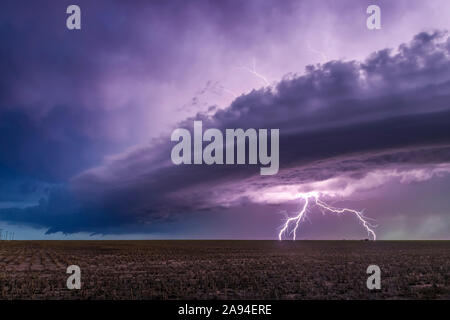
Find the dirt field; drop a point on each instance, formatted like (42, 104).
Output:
(224, 269)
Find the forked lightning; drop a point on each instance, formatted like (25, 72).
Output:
(313, 197)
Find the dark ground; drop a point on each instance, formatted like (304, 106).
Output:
(224, 269)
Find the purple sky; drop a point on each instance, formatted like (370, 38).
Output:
(86, 117)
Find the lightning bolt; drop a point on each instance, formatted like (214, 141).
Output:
(255, 73)
(323, 55)
(313, 197)
(229, 92)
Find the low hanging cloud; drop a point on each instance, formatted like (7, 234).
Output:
(341, 178)
(343, 125)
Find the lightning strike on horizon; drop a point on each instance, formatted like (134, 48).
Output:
(315, 196)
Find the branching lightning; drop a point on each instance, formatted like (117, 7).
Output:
(313, 198)
(255, 73)
(322, 54)
(229, 92)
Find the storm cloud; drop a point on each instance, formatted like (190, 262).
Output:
(86, 116)
(388, 113)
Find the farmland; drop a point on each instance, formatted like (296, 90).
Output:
(224, 269)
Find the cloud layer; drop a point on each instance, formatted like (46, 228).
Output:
(343, 125)
(78, 111)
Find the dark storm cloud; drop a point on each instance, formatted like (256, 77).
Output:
(69, 98)
(64, 94)
(341, 117)
(55, 119)
(51, 125)
(93, 92)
